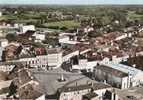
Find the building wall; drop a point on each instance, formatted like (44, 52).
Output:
(6, 68)
(119, 59)
(1, 52)
(101, 92)
(27, 27)
(41, 98)
(115, 97)
(96, 98)
(70, 55)
(74, 95)
(43, 61)
(77, 95)
(83, 63)
(38, 61)
(137, 79)
(4, 43)
(105, 60)
(4, 84)
(55, 59)
(65, 38)
(40, 36)
(111, 79)
(125, 83)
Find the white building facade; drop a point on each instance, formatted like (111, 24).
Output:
(120, 75)
(55, 59)
(25, 28)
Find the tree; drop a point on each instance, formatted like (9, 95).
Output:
(63, 28)
(12, 89)
(11, 37)
(43, 18)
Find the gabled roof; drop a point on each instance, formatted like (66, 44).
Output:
(124, 68)
(95, 86)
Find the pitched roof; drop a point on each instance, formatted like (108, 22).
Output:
(54, 50)
(29, 92)
(94, 86)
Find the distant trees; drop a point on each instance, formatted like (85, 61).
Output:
(63, 28)
(100, 16)
(53, 27)
(43, 18)
(139, 11)
(103, 17)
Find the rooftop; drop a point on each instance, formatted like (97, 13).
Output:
(137, 61)
(94, 85)
(54, 50)
(24, 76)
(29, 92)
(3, 76)
(124, 68)
(134, 93)
(78, 47)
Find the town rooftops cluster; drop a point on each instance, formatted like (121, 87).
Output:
(39, 63)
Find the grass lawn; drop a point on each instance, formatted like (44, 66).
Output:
(133, 16)
(8, 17)
(23, 18)
(68, 24)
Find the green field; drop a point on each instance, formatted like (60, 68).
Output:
(8, 17)
(100, 15)
(133, 16)
(60, 24)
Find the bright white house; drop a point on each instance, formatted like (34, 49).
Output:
(25, 28)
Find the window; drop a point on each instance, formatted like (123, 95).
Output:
(124, 85)
(33, 62)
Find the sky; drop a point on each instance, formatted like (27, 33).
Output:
(71, 2)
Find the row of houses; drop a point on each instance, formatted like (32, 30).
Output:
(54, 84)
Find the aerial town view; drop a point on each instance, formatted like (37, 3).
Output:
(71, 50)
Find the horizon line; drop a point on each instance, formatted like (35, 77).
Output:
(74, 4)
